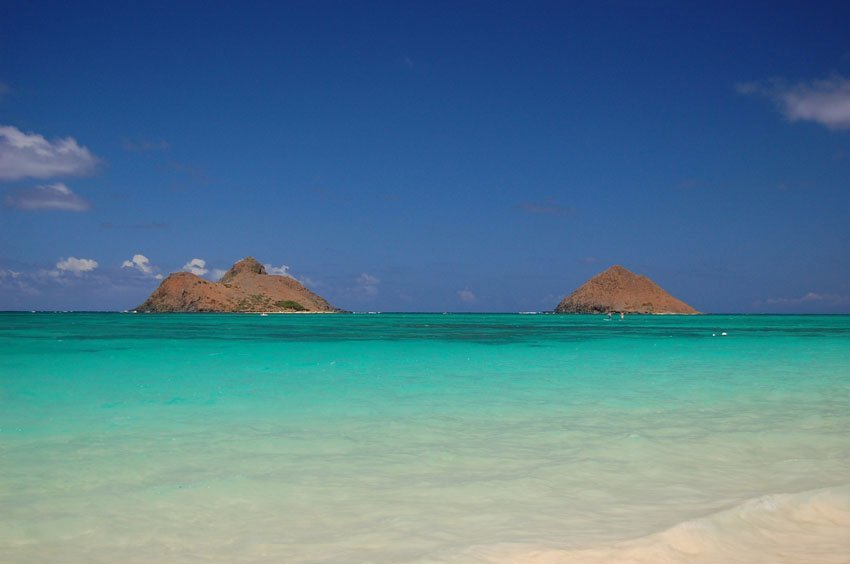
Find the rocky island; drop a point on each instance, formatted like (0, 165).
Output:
(618, 290)
(246, 287)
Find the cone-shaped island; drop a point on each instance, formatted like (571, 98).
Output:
(246, 287)
(618, 290)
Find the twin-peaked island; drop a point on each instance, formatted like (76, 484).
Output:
(247, 287)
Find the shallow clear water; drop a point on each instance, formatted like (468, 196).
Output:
(424, 438)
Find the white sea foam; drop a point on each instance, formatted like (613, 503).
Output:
(802, 528)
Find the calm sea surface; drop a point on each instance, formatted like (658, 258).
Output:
(424, 438)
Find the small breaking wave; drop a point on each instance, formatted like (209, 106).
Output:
(801, 528)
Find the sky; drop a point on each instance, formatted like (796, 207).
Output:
(427, 156)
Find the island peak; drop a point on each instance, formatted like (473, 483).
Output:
(619, 290)
(246, 287)
(248, 264)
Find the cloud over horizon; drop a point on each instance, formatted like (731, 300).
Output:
(30, 155)
(142, 264)
(282, 270)
(825, 101)
(368, 284)
(76, 266)
(467, 296)
(48, 197)
(196, 266)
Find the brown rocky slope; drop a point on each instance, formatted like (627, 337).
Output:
(246, 287)
(620, 290)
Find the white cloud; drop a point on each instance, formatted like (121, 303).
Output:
(217, 273)
(282, 270)
(368, 284)
(826, 102)
(76, 266)
(47, 197)
(31, 155)
(196, 266)
(467, 296)
(143, 265)
(139, 262)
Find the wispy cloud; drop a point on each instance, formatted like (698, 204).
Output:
(142, 264)
(811, 298)
(67, 279)
(547, 207)
(826, 101)
(368, 284)
(45, 198)
(282, 270)
(25, 155)
(76, 266)
(466, 296)
(196, 266)
(13, 281)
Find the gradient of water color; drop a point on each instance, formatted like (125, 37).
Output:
(424, 438)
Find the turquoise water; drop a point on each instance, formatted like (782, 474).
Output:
(424, 438)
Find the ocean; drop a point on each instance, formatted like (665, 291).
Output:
(426, 438)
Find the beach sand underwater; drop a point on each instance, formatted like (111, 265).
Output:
(461, 438)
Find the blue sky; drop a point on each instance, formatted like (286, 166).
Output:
(427, 156)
